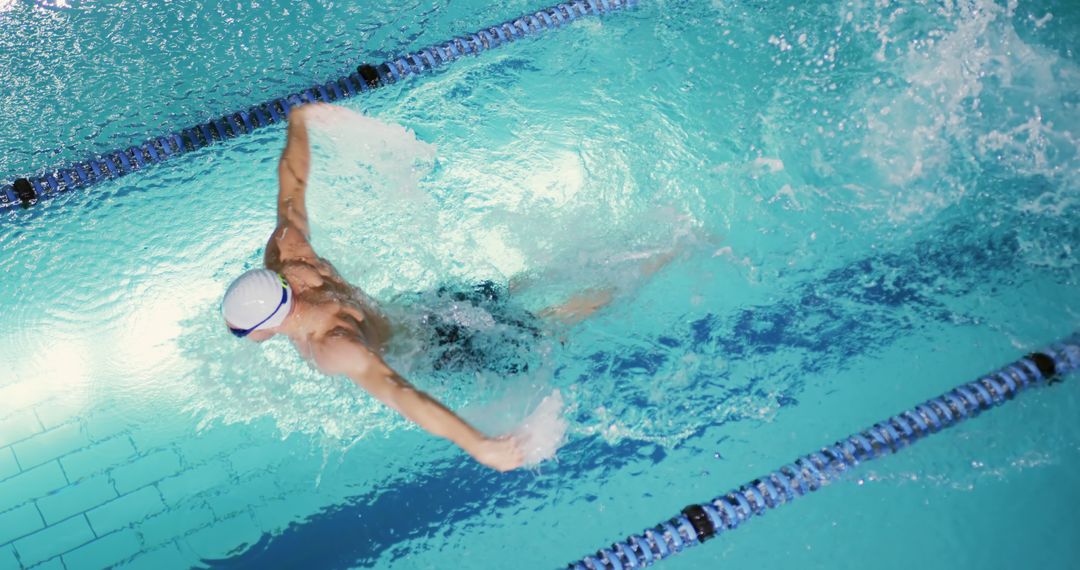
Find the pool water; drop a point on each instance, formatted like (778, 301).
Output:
(869, 202)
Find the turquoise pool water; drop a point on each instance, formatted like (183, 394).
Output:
(872, 202)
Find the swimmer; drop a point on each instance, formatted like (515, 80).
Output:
(334, 324)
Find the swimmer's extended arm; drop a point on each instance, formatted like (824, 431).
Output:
(369, 371)
(292, 235)
(293, 170)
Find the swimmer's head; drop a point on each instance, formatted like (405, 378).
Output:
(256, 301)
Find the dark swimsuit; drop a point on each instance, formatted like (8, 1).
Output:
(500, 344)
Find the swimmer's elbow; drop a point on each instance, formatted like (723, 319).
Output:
(396, 397)
(383, 384)
(416, 406)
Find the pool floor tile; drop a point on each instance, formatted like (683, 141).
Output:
(97, 458)
(224, 538)
(104, 552)
(50, 445)
(19, 522)
(22, 396)
(142, 471)
(152, 437)
(76, 498)
(195, 481)
(106, 424)
(53, 540)
(175, 522)
(7, 558)
(59, 412)
(168, 556)
(31, 484)
(18, 427)
(8, 466)
(126, 511)
(245, 494)
(51, 564)
(260, 457)
(214, 442)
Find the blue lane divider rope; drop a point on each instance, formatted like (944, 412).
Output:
(698, 523)
(30, 190)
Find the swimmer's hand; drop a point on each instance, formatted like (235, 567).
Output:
(499, 453)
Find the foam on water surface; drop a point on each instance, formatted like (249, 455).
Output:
(541, 434)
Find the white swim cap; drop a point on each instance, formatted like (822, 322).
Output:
(258, 299)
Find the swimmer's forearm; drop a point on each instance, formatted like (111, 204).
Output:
(373, 375)
(293, 170)
(502, 454)
(385, 384)
(437, 419)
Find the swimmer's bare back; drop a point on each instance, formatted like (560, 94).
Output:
(334, 325)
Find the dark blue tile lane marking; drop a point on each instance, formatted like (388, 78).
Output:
(361, 530)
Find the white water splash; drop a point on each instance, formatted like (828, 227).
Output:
(368, 213)
(541, 434)
(967, 96)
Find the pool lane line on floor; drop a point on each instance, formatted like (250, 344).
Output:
(700, 522)
(28, 191)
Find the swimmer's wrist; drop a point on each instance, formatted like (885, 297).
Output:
(299, 114)
(473, 442)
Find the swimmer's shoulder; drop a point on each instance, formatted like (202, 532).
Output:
(301, 272)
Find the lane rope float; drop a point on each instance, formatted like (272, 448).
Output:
(701, 522)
